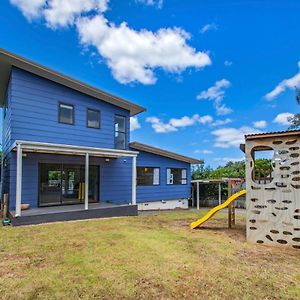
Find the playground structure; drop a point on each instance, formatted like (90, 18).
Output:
(211, 213)
(234, 185)
(273, 191)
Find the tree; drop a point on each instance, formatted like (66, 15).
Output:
(231, 169)
(295, 120)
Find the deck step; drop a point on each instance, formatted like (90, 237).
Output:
(104, 212)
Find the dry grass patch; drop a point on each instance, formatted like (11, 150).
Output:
(150, 257)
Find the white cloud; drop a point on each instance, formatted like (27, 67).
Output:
(209, 27)
(182, 122)
(205, 151)
(205, 119)
(221, 122)
(159, 126)
(223, 110)
(228, 63)
(173, 124)
(60, 13)
(30, 9)
(260, 124)
(216, 93)
(134, 55)
(232, 137)
(134, 123)
(156, 3)
(282, 118)
(289, 83)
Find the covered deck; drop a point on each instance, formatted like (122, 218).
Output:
(72, 212)
(75, 211)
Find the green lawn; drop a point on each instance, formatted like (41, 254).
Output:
(146, 257)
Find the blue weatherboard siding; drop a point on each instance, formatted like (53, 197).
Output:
(162, 191)
(6, 140)
(34, 104)
(115, 177)
(7, 115)
(32, 115)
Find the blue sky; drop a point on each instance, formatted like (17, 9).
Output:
(207, 71)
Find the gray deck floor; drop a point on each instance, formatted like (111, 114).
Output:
(63, 208)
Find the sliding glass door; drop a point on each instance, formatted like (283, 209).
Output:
(71, 184)
(62, 184)
(50, 184)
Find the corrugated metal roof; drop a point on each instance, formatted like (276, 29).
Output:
(272, 134)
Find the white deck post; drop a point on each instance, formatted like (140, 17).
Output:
(19, 181)
(133, 201)
(86, 182)
(220, 199)
(198, 196)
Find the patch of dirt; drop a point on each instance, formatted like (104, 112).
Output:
(182, 223)
(237, 232)
(149, 288)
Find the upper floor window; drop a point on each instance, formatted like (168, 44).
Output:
(176, 176)
(93, 118)
(147, 176)
(66, 113)
(120, 132)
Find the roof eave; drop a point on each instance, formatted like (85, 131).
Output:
(8, 59)
(165, 153)
(272, 134)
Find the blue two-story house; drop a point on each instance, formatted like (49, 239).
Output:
(65, 142)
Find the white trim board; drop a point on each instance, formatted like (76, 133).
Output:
(164, 205)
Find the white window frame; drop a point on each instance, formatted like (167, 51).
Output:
(155, 176)
(170, 176)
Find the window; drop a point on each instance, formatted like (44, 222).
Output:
(93, 118)
(120, 132)
(147, 176)
(66, 114)
(176, 176)
(264, 159)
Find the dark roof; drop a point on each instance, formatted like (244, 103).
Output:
(162, 152)
(8, 59)
(272, 134)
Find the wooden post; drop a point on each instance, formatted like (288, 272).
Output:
(233, 214)
(5, 206)
(229, 188)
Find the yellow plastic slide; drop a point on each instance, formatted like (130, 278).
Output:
(217, 208)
